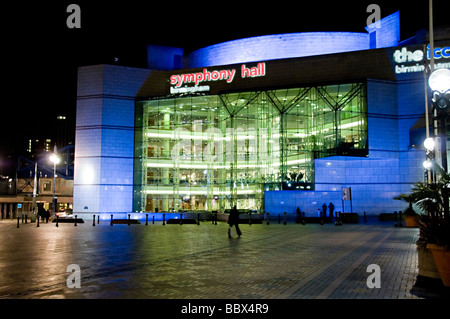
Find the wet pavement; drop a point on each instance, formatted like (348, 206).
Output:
(191, 261)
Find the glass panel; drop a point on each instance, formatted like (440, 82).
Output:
(213, 152)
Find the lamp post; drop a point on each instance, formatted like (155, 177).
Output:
(55, 160)
(439, 82)
(428, 163)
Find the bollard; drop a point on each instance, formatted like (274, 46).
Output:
(181, 218)
(164, 219)
(146, 219)
(98, 219)
(37, 221)
(129, 220)
(93, 220)
(75, 224)
(285, 222)
(111, 220)
(18, 220)
(153, 222)
(57, 220)
(338, 219)
(267, 221)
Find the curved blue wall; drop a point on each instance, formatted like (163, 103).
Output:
(278, 46)
(385, 33)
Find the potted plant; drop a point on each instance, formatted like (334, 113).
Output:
(433, 199)
(410, 215)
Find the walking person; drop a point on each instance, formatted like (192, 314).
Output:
(233, 219)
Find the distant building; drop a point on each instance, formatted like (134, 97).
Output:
(65, 131)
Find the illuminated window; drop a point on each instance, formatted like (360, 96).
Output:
(213, 152)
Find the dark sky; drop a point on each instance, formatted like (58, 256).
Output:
(42, 54)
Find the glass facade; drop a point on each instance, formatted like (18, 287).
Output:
(211, 152)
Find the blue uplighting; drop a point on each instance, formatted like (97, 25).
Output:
(294, 45)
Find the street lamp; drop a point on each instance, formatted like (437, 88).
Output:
(429, 144)
(439, 82)
(55, 160)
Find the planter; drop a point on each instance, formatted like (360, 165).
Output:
(441, 257)
(411, 221)
(427, 266)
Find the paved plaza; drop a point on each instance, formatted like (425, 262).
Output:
(191, 261)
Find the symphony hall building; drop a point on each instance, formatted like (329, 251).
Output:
(268, 123)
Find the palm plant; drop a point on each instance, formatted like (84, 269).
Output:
(433, 199)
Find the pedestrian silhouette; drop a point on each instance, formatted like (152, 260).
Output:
(47, 215)
(324, 209)
(233, 219)
(41, 212)
(331, 209)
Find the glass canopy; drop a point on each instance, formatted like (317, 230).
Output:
(211, 152)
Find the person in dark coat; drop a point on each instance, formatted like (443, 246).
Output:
(331, 209)
(47, 215)
(324, 210)
(41, 212)
(299, 215)
(233, 219)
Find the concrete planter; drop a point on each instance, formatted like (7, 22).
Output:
(441, 256)
(411, 221)
(427, 266)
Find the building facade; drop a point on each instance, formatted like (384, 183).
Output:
(267, 124)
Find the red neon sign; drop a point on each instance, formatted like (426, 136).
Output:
(227, 75)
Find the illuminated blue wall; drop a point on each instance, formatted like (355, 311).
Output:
(104, 138)
(278, 46)
(293, 45)
(392, 167)
(385, 33)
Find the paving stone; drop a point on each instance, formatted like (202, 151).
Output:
(273, 261)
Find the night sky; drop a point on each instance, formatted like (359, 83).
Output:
(43, 54)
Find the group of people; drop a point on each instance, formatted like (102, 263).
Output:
(43, 213)
(233, 219)
(323, 212)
